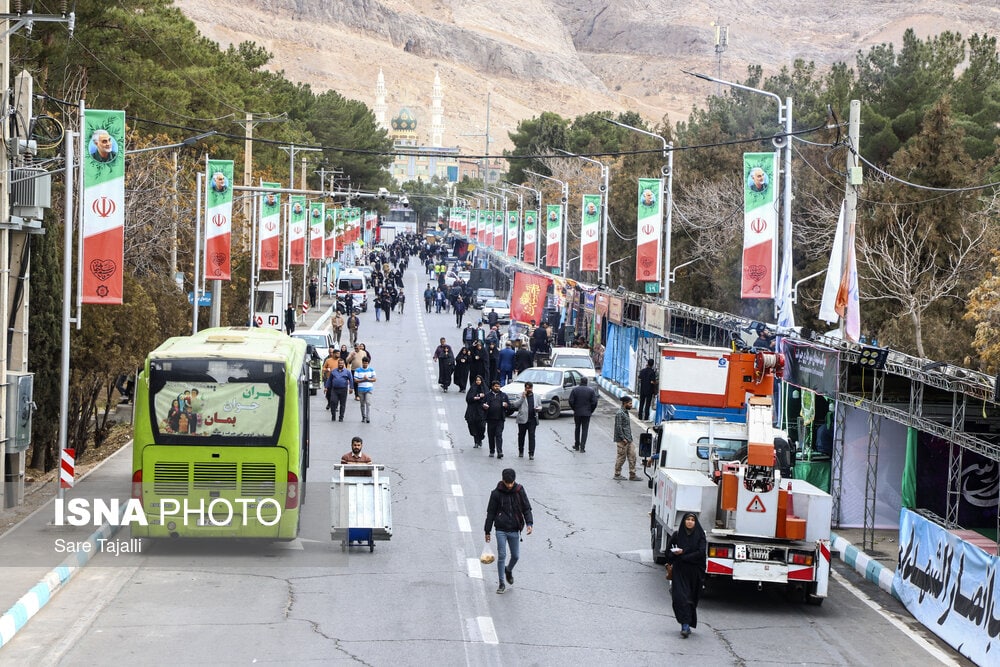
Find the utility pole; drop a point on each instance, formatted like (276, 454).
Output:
(851, 194)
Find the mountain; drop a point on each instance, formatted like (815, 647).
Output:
(566, 56)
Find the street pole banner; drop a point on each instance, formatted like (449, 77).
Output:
(530, 236)
(329, 240)
(513, 224)
(473, 216)
(498, 225)
(649, 230)
(354, 222)
(590, 230)
(528, 297)
(466, 216)
(553, 235)
(269, 251)
(297, 231)
(317, 211)
(103, 228)
(760, 225)
(489, 228)
(219, 220)
(481, 224)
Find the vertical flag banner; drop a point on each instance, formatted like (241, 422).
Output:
(269, 234)
(498, 225)
(297, 230)
(553, 234)
(848, 296)
(219, 220)
(513, 223)
(489, 228)
(316, 215)
(649, 230)
(590, 228)
(530, 236)
(329, 240)
(760, 225)
(834, 272)
(528, 297)
(481, 224)
(473, 218)
(103, 227)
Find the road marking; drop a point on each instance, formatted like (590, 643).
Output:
(486, 630)
(463, 524)
(475, 568)
(445, 444)
(443, 426)
(456, 490)
(443, 412)
(937, 653)
(451, 503)
(449, 465)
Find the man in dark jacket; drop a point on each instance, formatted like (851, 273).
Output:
(339, 383)
(522, 358)
(509, 511)
(647, 389)
(505, 364)
(495, 405)
(459, 306)
(583, 400)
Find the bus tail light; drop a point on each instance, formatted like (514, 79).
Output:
(292, 491)
(137, 485)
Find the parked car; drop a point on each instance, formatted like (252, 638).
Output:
(551, 385)
(483, 294)
(500, 306)
(319, 343)
(574, 357)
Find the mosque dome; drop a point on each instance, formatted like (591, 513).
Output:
(404, 121)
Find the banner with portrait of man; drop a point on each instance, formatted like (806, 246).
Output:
(530, 236)
(513, 227)
(590, 232)
(297, 230)
(649, 230)
(317, 211)
(553, 235)
(103, 228)
(219, 220)
(498, 230)
(269, 230)
(760, 226)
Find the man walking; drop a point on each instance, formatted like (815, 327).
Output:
(496, 405)
(364, 382)
(459, 311)
(337, 325)
(339, 383)
(623, 439)
(509, 511)
(647, 389)
(583, 400)
(353, 322)
(527, 420)
(290, 319)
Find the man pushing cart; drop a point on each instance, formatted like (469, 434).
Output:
(360, 503)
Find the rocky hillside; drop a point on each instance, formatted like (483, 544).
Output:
(567, 56)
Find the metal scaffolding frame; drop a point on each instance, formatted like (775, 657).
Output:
(871, 468)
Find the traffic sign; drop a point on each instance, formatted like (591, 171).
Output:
(204, 300)
(652, 288)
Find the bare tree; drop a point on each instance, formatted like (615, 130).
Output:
(902, 267)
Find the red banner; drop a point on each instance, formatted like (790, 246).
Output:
(528, 297)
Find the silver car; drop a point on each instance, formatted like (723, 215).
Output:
(551, 385)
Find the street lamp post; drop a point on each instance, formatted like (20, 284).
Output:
(783, 304)
(668, 152)
(565, 203)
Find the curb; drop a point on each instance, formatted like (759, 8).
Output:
(865, 565)
(613, 389)
(40, 594)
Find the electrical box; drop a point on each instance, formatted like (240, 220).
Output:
(19, 408)
(30, 192)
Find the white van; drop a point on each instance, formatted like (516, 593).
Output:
(353, 281)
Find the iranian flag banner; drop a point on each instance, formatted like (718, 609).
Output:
(590, 229)
(760, 225)
(530, 236)
(103, 228)
(553, 235)
(269, 232)
(355, 219)
(513, 224)
(488, 217)
(649, 230)
(528, 297)
(219, 220)
(317, 211)
(297, 231)
(498, 225)
(329, 240)
(477, 226)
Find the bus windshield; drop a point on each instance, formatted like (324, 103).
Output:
(225, 401)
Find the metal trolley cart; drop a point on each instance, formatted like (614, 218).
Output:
(360, 505)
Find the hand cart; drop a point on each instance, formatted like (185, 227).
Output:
(360, 505)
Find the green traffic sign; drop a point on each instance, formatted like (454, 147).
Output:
(652, 288)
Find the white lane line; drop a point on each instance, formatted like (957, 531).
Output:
(445, 444)
(937, 653)
(456, 489)
(486, 630)
(443, 426)
(475, 568)
(463, 524)
(444, 413)
(451, 503)
(449, 465)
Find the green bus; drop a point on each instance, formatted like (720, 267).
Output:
(221, 435)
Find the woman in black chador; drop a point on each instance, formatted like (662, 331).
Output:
(475, 415)
(687, 552)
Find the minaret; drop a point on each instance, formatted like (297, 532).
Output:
(380, 107)
(437, 113)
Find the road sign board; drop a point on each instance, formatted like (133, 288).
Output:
(652, 288)
(204, 300)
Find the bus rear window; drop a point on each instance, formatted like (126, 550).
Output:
(223, 401)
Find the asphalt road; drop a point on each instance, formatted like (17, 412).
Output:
(585, 592)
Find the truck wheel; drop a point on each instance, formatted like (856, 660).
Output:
(552, 409)
(656, 539)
